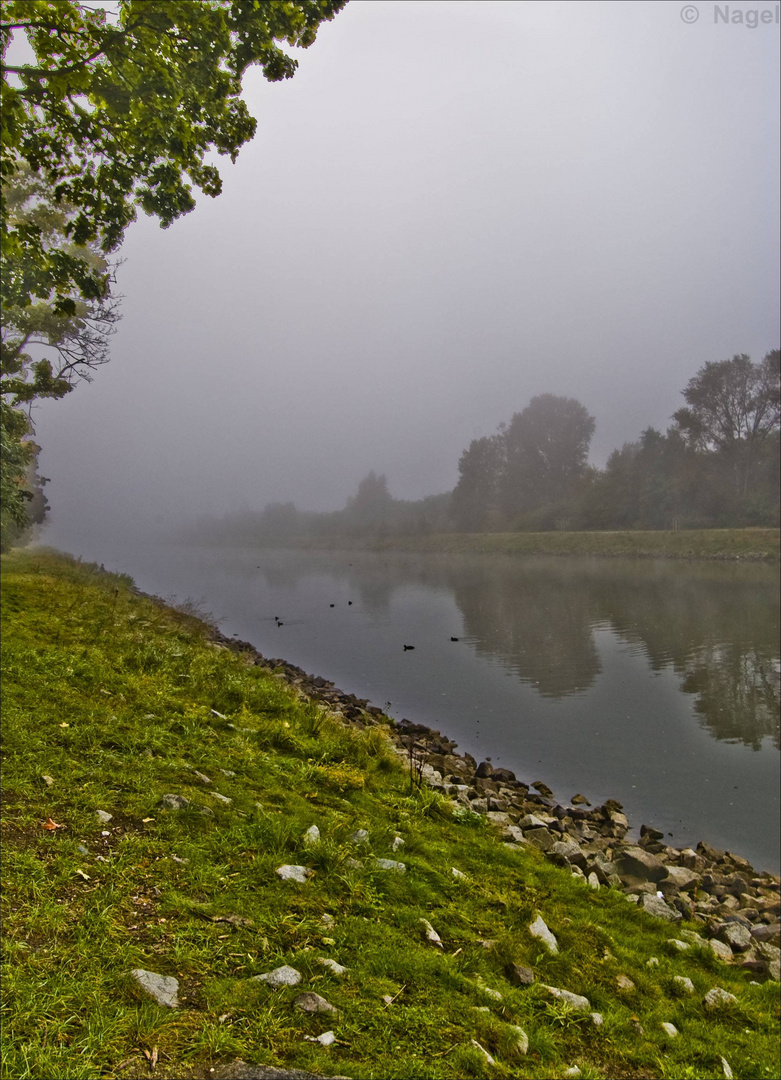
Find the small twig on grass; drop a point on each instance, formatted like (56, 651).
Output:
(388, 1003)
(444, 1053)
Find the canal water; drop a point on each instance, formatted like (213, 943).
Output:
(652, 682)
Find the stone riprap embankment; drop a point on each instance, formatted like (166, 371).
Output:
(738, 907)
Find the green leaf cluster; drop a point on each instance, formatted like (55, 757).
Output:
(123, 113)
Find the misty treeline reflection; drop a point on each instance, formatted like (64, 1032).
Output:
(716, 625)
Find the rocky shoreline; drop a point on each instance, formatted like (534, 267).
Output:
(738, 907)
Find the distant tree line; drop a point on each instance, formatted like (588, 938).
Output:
(717, 466)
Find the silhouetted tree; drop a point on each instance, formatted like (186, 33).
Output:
(733, 406)
(476, 494)
(546, 452)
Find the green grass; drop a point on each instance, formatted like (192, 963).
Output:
(748, 544)
(113, 698)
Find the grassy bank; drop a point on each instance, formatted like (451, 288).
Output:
(112, 701)
(748, 544)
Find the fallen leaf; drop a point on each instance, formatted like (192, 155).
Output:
(48, 779)
(49, 824)
(145, 819)
(83, 875)
(64, 725)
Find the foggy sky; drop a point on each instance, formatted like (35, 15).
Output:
(451, 208)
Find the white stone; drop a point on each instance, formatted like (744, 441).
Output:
(726, 1069)
(575, 1000)
(360, 836)
(539, 930)
(163, 988)
(718, 999)
(333, 967)
(222, 798)
(597, 1019)
(431, 934)
(684, 984)
(104, 816)
(390, 864)
(669, 1029)
(457, 874)
(573, 1071)
(488, 1059)
(311, 836)
(293, 873)
(326, 1039)
(281, 976)
(397, 843)
(593, 880)
(652, 962)
(681, 946)
(522, 1045)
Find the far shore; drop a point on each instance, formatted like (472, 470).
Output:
(744, 545)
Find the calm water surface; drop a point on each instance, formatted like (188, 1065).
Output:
(655, 683)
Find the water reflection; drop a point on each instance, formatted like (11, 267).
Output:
(715, 625)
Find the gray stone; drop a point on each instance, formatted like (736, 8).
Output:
(570, 851)
(766, 931)
(722, 951)
(678, 945)
(390, 864)
(669, 1029)
(163, 988)
(541, 838)
(572, 1073)
(311, 836)
(681, 877)
(104, 816)
(514, 835)
(684, 984)
(281, 976)
(625, 984)
(202, 777)
(736, 936)
(240, 1070)
(717, 999)
(293, 873)
(593, 880)
(499, 817)
(222, 798)
(533, 821)
(360, 836)
(597, 1019)
(575, 1000)
(654, 905)
(174, 802)
(539, 930)
(638, 862)
(313, 1003)
(396, 843)
(520, 975)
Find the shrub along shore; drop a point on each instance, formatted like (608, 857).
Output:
(211, 856)
(750, 545)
